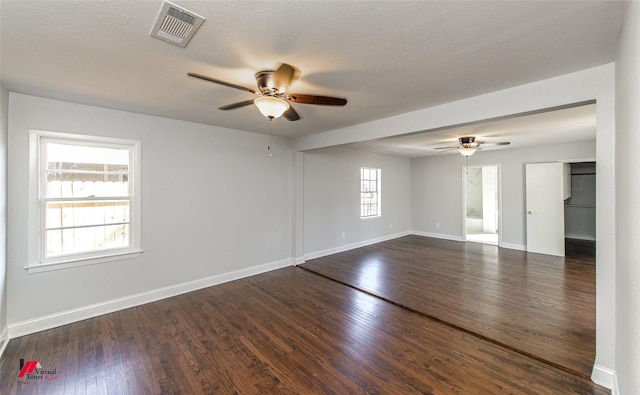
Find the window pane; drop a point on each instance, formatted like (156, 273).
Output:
(70, 188)
(71, 175)
(369, 192)
(82, 157)
(70, 214)
(83, 171)
(70, 241)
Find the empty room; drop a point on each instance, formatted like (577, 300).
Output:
(218, 197)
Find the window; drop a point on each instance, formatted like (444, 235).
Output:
(85, 189)
(369, 192)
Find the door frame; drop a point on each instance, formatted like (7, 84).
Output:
(464, 198)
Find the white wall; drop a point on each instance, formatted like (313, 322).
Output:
(627, 198)
(438, 189)
(332, 199)
(213, 203)
(4, 109)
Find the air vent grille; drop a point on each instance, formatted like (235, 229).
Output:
(176, 25)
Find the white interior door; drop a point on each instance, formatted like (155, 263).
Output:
(545, 208)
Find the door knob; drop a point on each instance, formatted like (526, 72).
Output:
(529, 212)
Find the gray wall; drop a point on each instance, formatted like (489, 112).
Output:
(627, 190)
(4, 109)
(332, 198)
(437, 188)
(213, 202)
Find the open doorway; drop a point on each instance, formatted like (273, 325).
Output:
(482, 204)
(580, 210)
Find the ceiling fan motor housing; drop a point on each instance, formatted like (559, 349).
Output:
(265, 83)
(466, 140)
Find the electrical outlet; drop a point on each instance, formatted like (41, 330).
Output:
(437, 224)
(344, 235)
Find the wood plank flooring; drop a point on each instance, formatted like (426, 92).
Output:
(288, 331)
(539, 305)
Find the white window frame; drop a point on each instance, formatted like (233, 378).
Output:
(378, 192)
(38, 262)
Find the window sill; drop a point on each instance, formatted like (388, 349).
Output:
(370, 217)
(77, 262)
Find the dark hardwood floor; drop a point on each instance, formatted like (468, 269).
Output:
(286, 331)
(539, 305)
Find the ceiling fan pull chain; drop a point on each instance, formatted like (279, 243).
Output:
(270, 139)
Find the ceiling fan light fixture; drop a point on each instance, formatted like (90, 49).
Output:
(467, 151)
(271, 107)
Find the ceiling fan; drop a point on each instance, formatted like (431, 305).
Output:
(468, 145)
(272, 98)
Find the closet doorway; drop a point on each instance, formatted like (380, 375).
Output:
(482, 204)
(580, 208)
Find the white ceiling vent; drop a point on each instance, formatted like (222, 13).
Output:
(176, 25)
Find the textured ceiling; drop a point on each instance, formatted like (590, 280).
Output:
(385, 57)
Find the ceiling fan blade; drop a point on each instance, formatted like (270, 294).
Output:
(236, 105)
(498, 143)
(215, 81)
(445, 148)
(284, 76)
(313, 99)
(291, 114)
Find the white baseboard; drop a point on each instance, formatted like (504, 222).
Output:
(605, 377)
(82, 313)
(519, 247)
(437, 235)
(510, 246)
(616, 388)
(347, 247)
(4, 340)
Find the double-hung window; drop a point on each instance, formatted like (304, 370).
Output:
(369, 192)
(87, 192)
